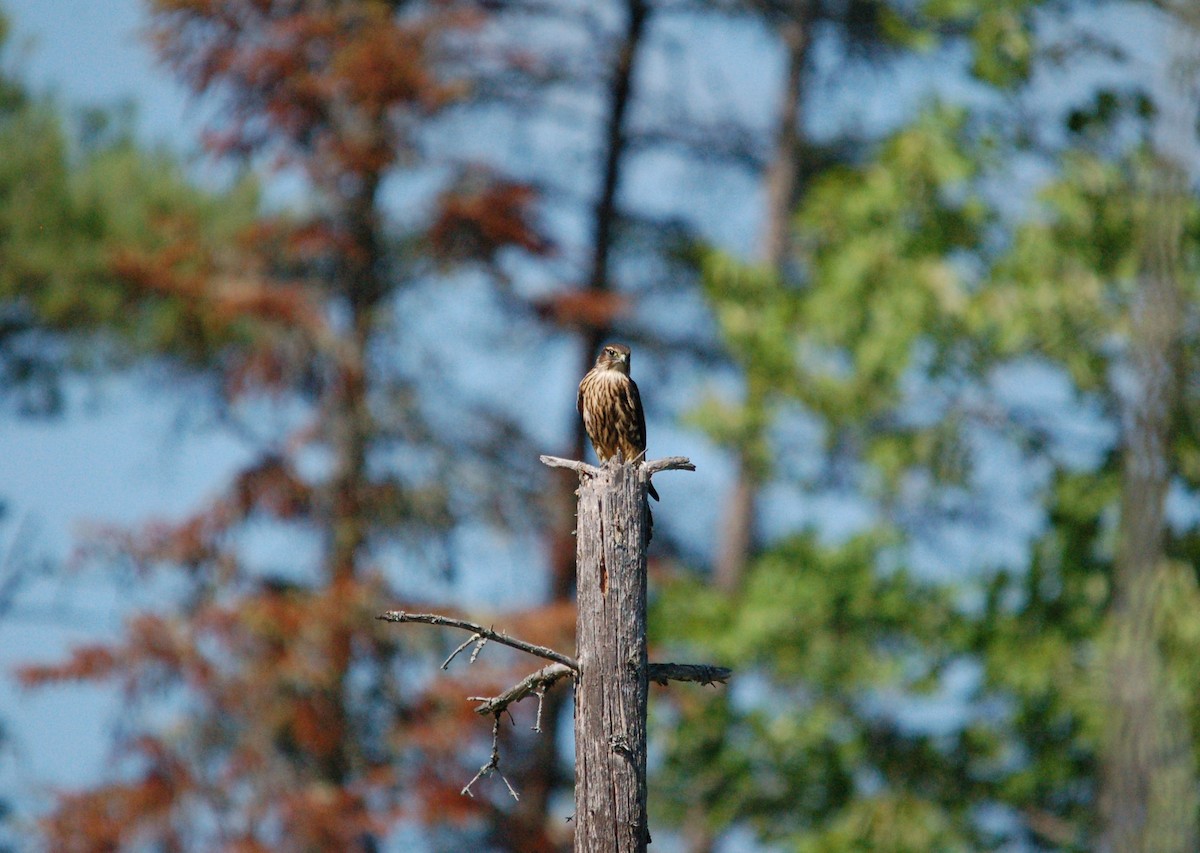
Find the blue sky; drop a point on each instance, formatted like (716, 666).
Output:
(92, 52)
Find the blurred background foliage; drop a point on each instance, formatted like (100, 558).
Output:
(950, 374)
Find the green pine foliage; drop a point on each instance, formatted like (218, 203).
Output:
(804, 749)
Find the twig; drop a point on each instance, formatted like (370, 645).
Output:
(13, 572)
(541, 695)
(701, 673)
(535, 683)
(493, 765)
(473, 639)
(485, 633)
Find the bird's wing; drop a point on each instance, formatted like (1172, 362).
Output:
(640, 414)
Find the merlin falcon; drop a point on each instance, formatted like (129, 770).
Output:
(612, 408)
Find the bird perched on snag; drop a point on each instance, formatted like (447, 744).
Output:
(612, 408)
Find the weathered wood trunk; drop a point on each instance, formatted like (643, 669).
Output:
(611, 687)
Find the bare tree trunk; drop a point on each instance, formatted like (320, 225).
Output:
(611, 687)
(350, 434)
(620, 93)
(782, 180)
(1148, 796)
(783, 173)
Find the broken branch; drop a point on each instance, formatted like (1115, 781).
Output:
(668, 463)
(700, 673)
(535, 683)
(483, 633)
(579, 467)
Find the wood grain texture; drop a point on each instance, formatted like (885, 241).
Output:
(611, 687)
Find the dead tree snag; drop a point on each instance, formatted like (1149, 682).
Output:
(611, 684)
(610, 668)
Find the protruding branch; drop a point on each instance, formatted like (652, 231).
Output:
(700, 673)
(582, 468)
(667, 463)
(482, 633)
(535, 683)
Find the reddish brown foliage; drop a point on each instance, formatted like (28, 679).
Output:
(311, 77)
(219, 301)
(272, 487)
(112, 817)
(442, 799)
(156, 651)
(477, 223)
(263, 690)
(586, 309)
(322, 817)
(86, 662)
(194, 543)
(291, 243)
(236, 300)
(381, 64)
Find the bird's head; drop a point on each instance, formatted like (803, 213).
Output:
(614, 357)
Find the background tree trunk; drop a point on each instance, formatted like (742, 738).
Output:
(604, 219)
(1147, 796)
(782, 184)
(611, 688)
